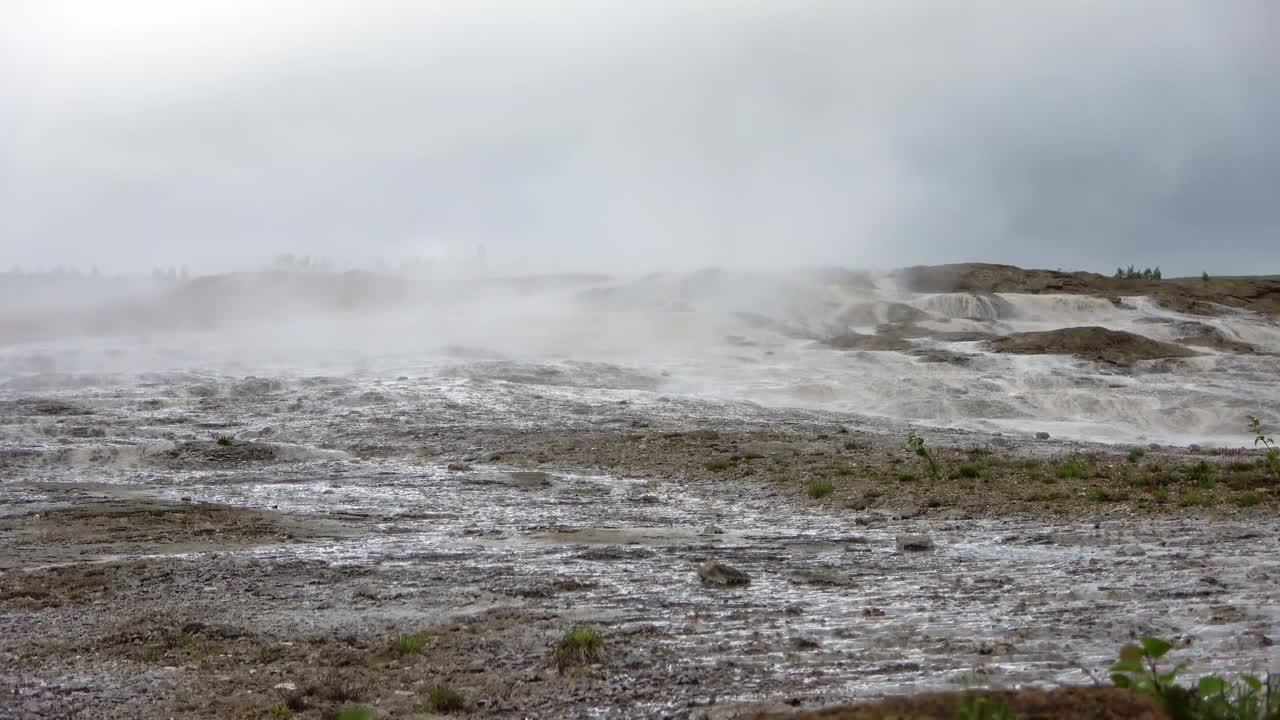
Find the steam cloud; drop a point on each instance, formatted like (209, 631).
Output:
(606, 135)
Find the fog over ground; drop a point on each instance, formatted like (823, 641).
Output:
(610, 135)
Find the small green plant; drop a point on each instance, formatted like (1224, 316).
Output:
(1071, 469)
(906, 477)
(444, 699)
(1203, 474)
(579, 646)
(1204, 275)
(225, 440)
(1271, 456)
(981, 707)
(1100, 495)
(916, 444)
(1138, 668)
(1248, 500)
(719, 464)
(820, 489)
(1160, 495)
(410, 644)
(841, 468)
(356, 713)
(967, 470)
(280, 710)
(1136, 454)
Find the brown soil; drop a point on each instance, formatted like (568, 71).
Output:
(1184, 295)
(880, 474)
(1073, 703)
(1099, 344)
(121, 526)
(856, 341)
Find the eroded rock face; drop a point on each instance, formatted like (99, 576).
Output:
(1201, 335)
(1115, 347)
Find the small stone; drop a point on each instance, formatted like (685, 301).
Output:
(1193, 447)
(804, 643)
(286, 686)
(1042, 435)
(1131, 551)
(713, 530)
(459, 467)
(721, 575)
(914, 543)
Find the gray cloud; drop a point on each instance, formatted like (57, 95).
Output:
(1060, 134)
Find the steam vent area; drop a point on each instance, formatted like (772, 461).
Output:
(823, 493)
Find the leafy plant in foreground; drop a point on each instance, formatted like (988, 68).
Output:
(1272, 455)
(916, 444)
(1213, 698)
(980, 707)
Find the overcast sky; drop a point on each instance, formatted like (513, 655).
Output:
(613, 133)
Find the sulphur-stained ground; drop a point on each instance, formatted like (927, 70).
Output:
(211, 546)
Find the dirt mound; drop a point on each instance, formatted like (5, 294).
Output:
(1073, 703)
(1091, 343)
(202, 454)
(1193, 296)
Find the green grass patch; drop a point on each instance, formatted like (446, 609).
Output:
(1203, 474)
(356, 713)
(443, 699)
(907, 477)
(1071, 469)
(410, 644)
(1101, 495)
(1248, 500)
(1195, 499)
(718, 464)
(580, 646)
(820, 488)
(841, 469)
(1136, 454)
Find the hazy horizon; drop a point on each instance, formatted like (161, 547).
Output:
(571, 136)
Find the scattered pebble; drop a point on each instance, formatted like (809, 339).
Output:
(720, 575)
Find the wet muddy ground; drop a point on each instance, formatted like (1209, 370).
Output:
(206, 545)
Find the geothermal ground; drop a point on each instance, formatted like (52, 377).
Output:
(282, 513)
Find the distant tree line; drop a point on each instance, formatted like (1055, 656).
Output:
(1132, 273)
